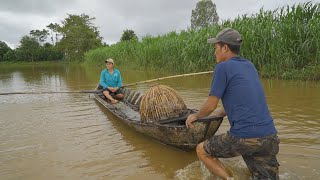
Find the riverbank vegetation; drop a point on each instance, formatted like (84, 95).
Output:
(68, 41)
(284, 43)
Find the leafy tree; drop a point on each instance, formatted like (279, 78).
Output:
(128, 35)
(41, 36)
(49, 52)
(204, 15)
(53, 32)
(79, 35)
(11, 55)
(4, 50)
(29, 48)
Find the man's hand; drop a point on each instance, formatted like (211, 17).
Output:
(190, 119)
(207, 108)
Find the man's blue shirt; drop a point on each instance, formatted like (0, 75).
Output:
(110, 80)
(237, 83)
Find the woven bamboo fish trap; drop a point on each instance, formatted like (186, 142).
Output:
(161, 102)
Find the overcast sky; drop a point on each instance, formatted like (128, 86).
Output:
(153, 17)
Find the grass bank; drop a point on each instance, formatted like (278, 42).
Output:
(284, 43)
(29, 63)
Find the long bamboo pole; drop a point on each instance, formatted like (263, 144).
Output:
(167, 77)
(94, 91)
(49, 92)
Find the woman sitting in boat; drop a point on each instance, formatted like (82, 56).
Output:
(111, 82)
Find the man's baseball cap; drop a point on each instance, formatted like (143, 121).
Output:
(228, 36)
(109, 60)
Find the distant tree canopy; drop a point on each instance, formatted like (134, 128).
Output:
(31, 50)
(79, 35)
(41, 36)
(4, 51)
(128, 35)
(204, 14)
(53, 32)
(70, 40)
(28, 49)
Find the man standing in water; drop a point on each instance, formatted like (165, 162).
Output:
(252, 134)
(110, 80)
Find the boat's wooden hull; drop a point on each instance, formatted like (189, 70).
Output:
(174, 134)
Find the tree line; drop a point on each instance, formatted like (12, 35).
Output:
(75, 35)
(68, 40)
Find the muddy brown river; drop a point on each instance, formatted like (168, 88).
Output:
(71, 136)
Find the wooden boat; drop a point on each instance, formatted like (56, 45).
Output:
(172, 132)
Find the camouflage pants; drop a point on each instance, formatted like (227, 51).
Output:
(258, 153)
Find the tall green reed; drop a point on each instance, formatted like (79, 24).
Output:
(281, 43)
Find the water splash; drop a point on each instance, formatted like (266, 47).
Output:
(197, 170)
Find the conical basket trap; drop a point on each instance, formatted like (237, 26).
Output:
(161, 102)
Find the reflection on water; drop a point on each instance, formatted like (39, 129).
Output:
(70, 136)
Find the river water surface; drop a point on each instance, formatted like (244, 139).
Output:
(70, 136)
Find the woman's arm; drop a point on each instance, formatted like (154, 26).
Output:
(103, 81)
